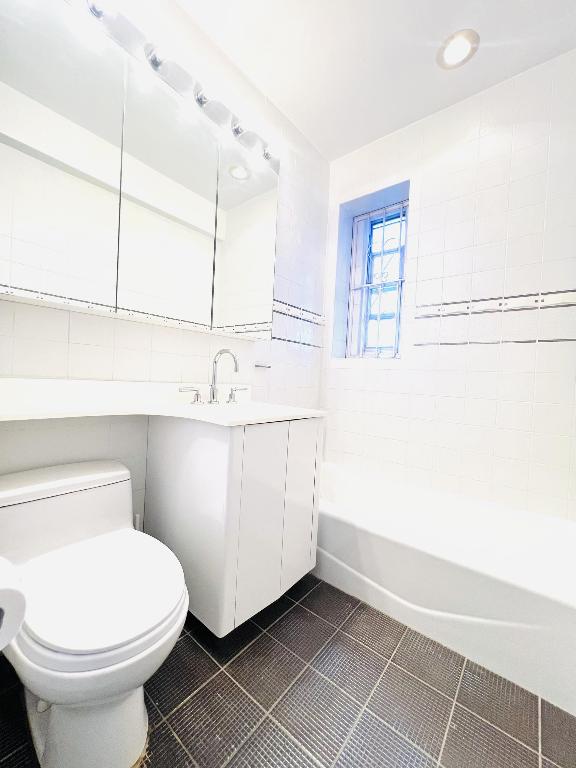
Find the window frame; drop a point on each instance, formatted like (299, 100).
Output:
(362, 284)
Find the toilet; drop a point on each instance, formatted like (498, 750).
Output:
(105, 605)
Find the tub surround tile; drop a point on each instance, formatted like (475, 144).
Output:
(374, 745)
(412, 708)
(302, 632)
(330, 603)
(430, 661)
(273, 612)
(164, 751)
(271, 747)
(350, 666)
(302, 587)
(474, 743)
(185, 669)
(376, 630)
(558, 735)
(502, 703)
(215, 721)
(318, 715)
(222, 649)
(265, 670)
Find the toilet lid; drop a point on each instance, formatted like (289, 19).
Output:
(102, 593)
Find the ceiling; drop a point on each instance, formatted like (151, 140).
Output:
(347, 72)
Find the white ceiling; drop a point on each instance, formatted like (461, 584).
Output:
(346, 72)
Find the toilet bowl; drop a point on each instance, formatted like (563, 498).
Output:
(105, 605)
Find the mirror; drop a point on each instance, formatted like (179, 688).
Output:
(110, 182)
(168, 211)
(245, 242)
(61, 90)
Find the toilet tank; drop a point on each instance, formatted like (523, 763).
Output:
(43, 509)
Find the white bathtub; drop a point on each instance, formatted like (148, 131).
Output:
(497, 585)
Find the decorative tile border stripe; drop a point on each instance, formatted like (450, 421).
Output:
(299, 313)
(529, 301)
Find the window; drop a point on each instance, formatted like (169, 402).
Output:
(376, 279)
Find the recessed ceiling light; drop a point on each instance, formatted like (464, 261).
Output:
(458, 49)
(239, 172)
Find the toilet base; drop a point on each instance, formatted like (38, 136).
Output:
(104, 734)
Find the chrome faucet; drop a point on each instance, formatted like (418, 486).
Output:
(213, 396)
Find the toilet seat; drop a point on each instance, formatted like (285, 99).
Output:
(99, 602)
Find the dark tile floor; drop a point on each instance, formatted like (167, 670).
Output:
(319, 679)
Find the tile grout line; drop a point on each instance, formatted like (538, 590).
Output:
(222, 667)
(173, 732)
(390, 661)
(451, 713)
(267, 713)
(7, 757)
(308, 665)
(262, 630)
(264, 716)
(351, 696)
(497, 728)
(363, 709)
(540, 761)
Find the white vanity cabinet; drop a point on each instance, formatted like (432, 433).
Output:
(238, 506)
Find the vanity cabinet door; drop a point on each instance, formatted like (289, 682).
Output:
(261, 517)
(299, 545)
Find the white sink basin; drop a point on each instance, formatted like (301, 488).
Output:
(23, 399)
(236, 414)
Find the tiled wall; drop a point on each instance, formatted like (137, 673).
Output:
(46, 342)
(43, 342)
(482, 397)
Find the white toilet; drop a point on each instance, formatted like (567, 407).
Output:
(105, 605)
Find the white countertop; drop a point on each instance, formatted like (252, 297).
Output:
(25, 399)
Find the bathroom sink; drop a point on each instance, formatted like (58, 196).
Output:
(22, 399)
(237, 414)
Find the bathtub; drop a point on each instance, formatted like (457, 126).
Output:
(495, 584)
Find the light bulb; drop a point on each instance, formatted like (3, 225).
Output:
(154, 57)
(239, 172)
(102, 8)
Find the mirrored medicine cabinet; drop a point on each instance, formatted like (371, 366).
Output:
(117, 193)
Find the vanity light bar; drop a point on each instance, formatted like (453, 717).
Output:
(129, 37)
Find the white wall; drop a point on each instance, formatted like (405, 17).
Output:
(40, 341)
(468, 406)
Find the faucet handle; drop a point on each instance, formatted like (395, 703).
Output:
(197, 394)
(232, 395)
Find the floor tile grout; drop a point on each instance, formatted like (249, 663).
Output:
(276, 740)
(497, 728)
(540, 732)
(363, 710)
(173, 732)
(268, 713)
(389, 661)
(420, 680)
(7, 757)
(439, 759)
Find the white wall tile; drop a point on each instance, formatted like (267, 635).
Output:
(90, 362)
(34, 322)
(40, 358)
